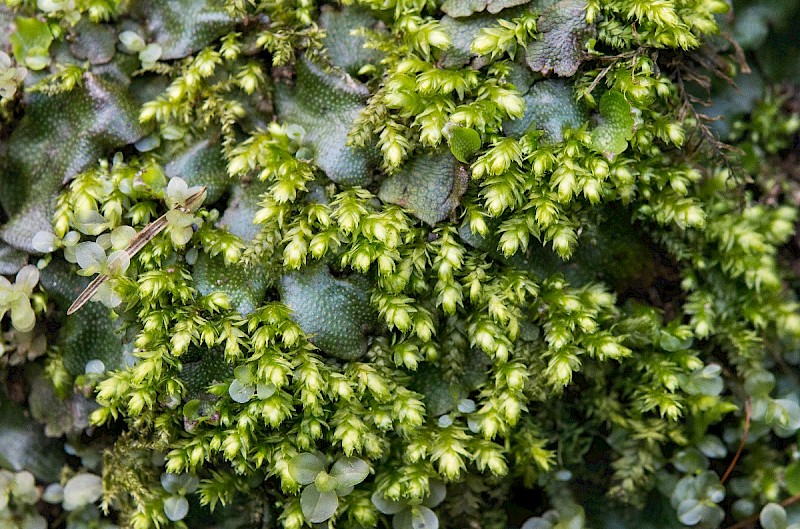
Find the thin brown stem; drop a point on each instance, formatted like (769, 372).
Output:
(747, 410)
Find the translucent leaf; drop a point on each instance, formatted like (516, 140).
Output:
(318, 506)
(121, 237)
(690, 512)
(239, 392)
(466, 406)
(54, 493)
(265, 391)
(44, 242)
(95, 367)
(711, 446)
(386, 505)
(90, 256)
(424, 518)
(304, 467)
(690, 460)
(150, 54)
(177, 191)
(118, 262)
(773, 516)
(418, 517)
(244, 375)
(176, 508)
(90, 222)
(132, 41)
(350, 471)
(22, 316)
(179, 484)
(438, 492)
(27, 278)
(537, 523)
(82, 489)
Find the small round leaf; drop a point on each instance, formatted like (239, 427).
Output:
(239, 392)
(386, 505)
(350, 471)
(176, 508)
(318, 506)
(304, 467)
(773, 516)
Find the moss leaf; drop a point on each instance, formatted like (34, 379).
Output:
(429, 186)
(563, 36)
(464, 8)
(616, 124)
(325, 105)
(550, 106)
(59, 137)
(464, 142)
(244, 286)
(182, 27)
(334, 313)
(345, 49)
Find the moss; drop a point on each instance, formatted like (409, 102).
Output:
(582, 301)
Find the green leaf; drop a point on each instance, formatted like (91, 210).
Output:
(176, 508)
(318, 506)
(773, 516)
(349, 471)
(82, 489)
(182, 27)
(430, 186)
(464, 142)
(616, 125)
(240, 393)
(245, 286)
(792, 477)
(31, 43)
(201, 164)
(50, 145)
(334, 313)
(345, 49)
(465, 8)
(550, 106)
(304, 467)
(563, 37)
(325, 105)
(417, 517)
(242, 208)
(386, 505)
(203, 367)
(23, 444)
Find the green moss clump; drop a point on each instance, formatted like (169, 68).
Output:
(456, 264)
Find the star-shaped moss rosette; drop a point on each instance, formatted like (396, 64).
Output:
(320, 498)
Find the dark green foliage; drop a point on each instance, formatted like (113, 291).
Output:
(318, 301)
(337, 97)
